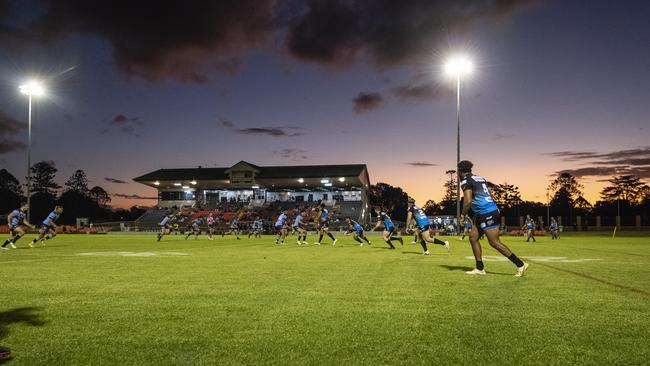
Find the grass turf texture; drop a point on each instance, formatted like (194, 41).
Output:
(253, 302)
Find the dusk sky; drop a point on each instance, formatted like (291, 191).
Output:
(557, 85)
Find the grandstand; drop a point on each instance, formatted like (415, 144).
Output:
(343, 188)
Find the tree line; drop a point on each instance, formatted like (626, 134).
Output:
(625, 193)
(76, 197)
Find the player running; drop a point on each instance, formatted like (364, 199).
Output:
(554, 227)
(299, 226)
(195, 228)
(234, 228)
(17, 221)
(529, 227)
(165, 226)
(486, 219)
(389, 227)
(210, 222)
(467, 226)
(357, 232)
(423, 227)
(322, 226)
(281, 228)
(48, 227)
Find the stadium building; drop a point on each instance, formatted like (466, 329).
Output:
(341, 187)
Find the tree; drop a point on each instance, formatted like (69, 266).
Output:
(42, 178)
(99, 196)
(565, 190)
(392, 199)
(625, 187)
(450, 199)
(505, 195)
(431, 208)
(10, 191)
(78, 182)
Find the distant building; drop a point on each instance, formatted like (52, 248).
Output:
(343, 187)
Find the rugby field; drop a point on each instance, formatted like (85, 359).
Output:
(127, 300)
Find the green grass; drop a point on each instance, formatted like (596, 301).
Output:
(231, 302)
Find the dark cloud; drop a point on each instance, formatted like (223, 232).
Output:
(194, 41)
(292, 154)
(9, 128)
(127, 125)
(502, 136)
(420, 164)
(279, 131)
(418, 92)
(367, 101)
(113, 180)
(133, 196)
(387, 32)
(634, 161)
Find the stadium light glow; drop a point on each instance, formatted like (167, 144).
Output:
(328, 184)
(324, 180)
(458, 65)
(301, 180)
(342, 179)
(185, 187)
(32, 88)
(193, 182)
(156, 183)
(255, 187)
(177, 184)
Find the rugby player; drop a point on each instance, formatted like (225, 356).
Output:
(357, 232)
(17, 221)
(423, 228)
(48, 226)
(389, 227)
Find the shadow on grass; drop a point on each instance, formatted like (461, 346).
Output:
(26, 315)
(465, 269)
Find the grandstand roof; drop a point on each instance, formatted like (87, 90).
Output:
(277, 176)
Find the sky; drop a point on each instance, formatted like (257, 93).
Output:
(557, 86)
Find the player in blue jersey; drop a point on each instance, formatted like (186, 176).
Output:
(357, 232)
(48, 226)
(165, 226)
(195, 228)
(416, 218)
(233, 229)
(389, 227)
(322, 224)
(529, 229)
(281, 228)
(554, 228)
(467, 226)
(299, 226)
(17, 221)
(477, 197)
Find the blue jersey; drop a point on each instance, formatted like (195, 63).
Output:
(419, 216)
(358, 228)
(52, 217)
(17, 217)
(165, 220)
(324, 215)
(529, 225)
(468, 224)
(196, 222)
(297, 221)
(553, 225)
(281, 219)
(482, 202)
(388, 223)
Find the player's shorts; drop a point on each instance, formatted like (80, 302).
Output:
(324, 225)
(487, 221)
(210, 226)
(47, 227)
(279, 228)
(359, 232)
(390, 229)
(468, 226)
(13, 228)
(196, 227)
(423, 228)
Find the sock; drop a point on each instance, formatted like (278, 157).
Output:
(358, 240)
(366, 239)
(320, 238)
(424, 246)
(331, 236)
(49, 236)
(389, 244)
(6, 242)
(479, 265)
(16, 238)
(438, 241)
(514, 259)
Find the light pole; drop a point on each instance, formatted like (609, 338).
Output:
(457, 67)
(32, 88)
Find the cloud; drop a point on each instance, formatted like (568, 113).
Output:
(292, 154)
(634, 161)
(113, 180)
(367, 101)
(193, 42)
(279, 131)
(418, 92)
(127, 125)
(503, 136)
(420, 164)
(133, 196)
(9, 128)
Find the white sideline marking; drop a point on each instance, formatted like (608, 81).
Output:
(133, 254)
(497, 258)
